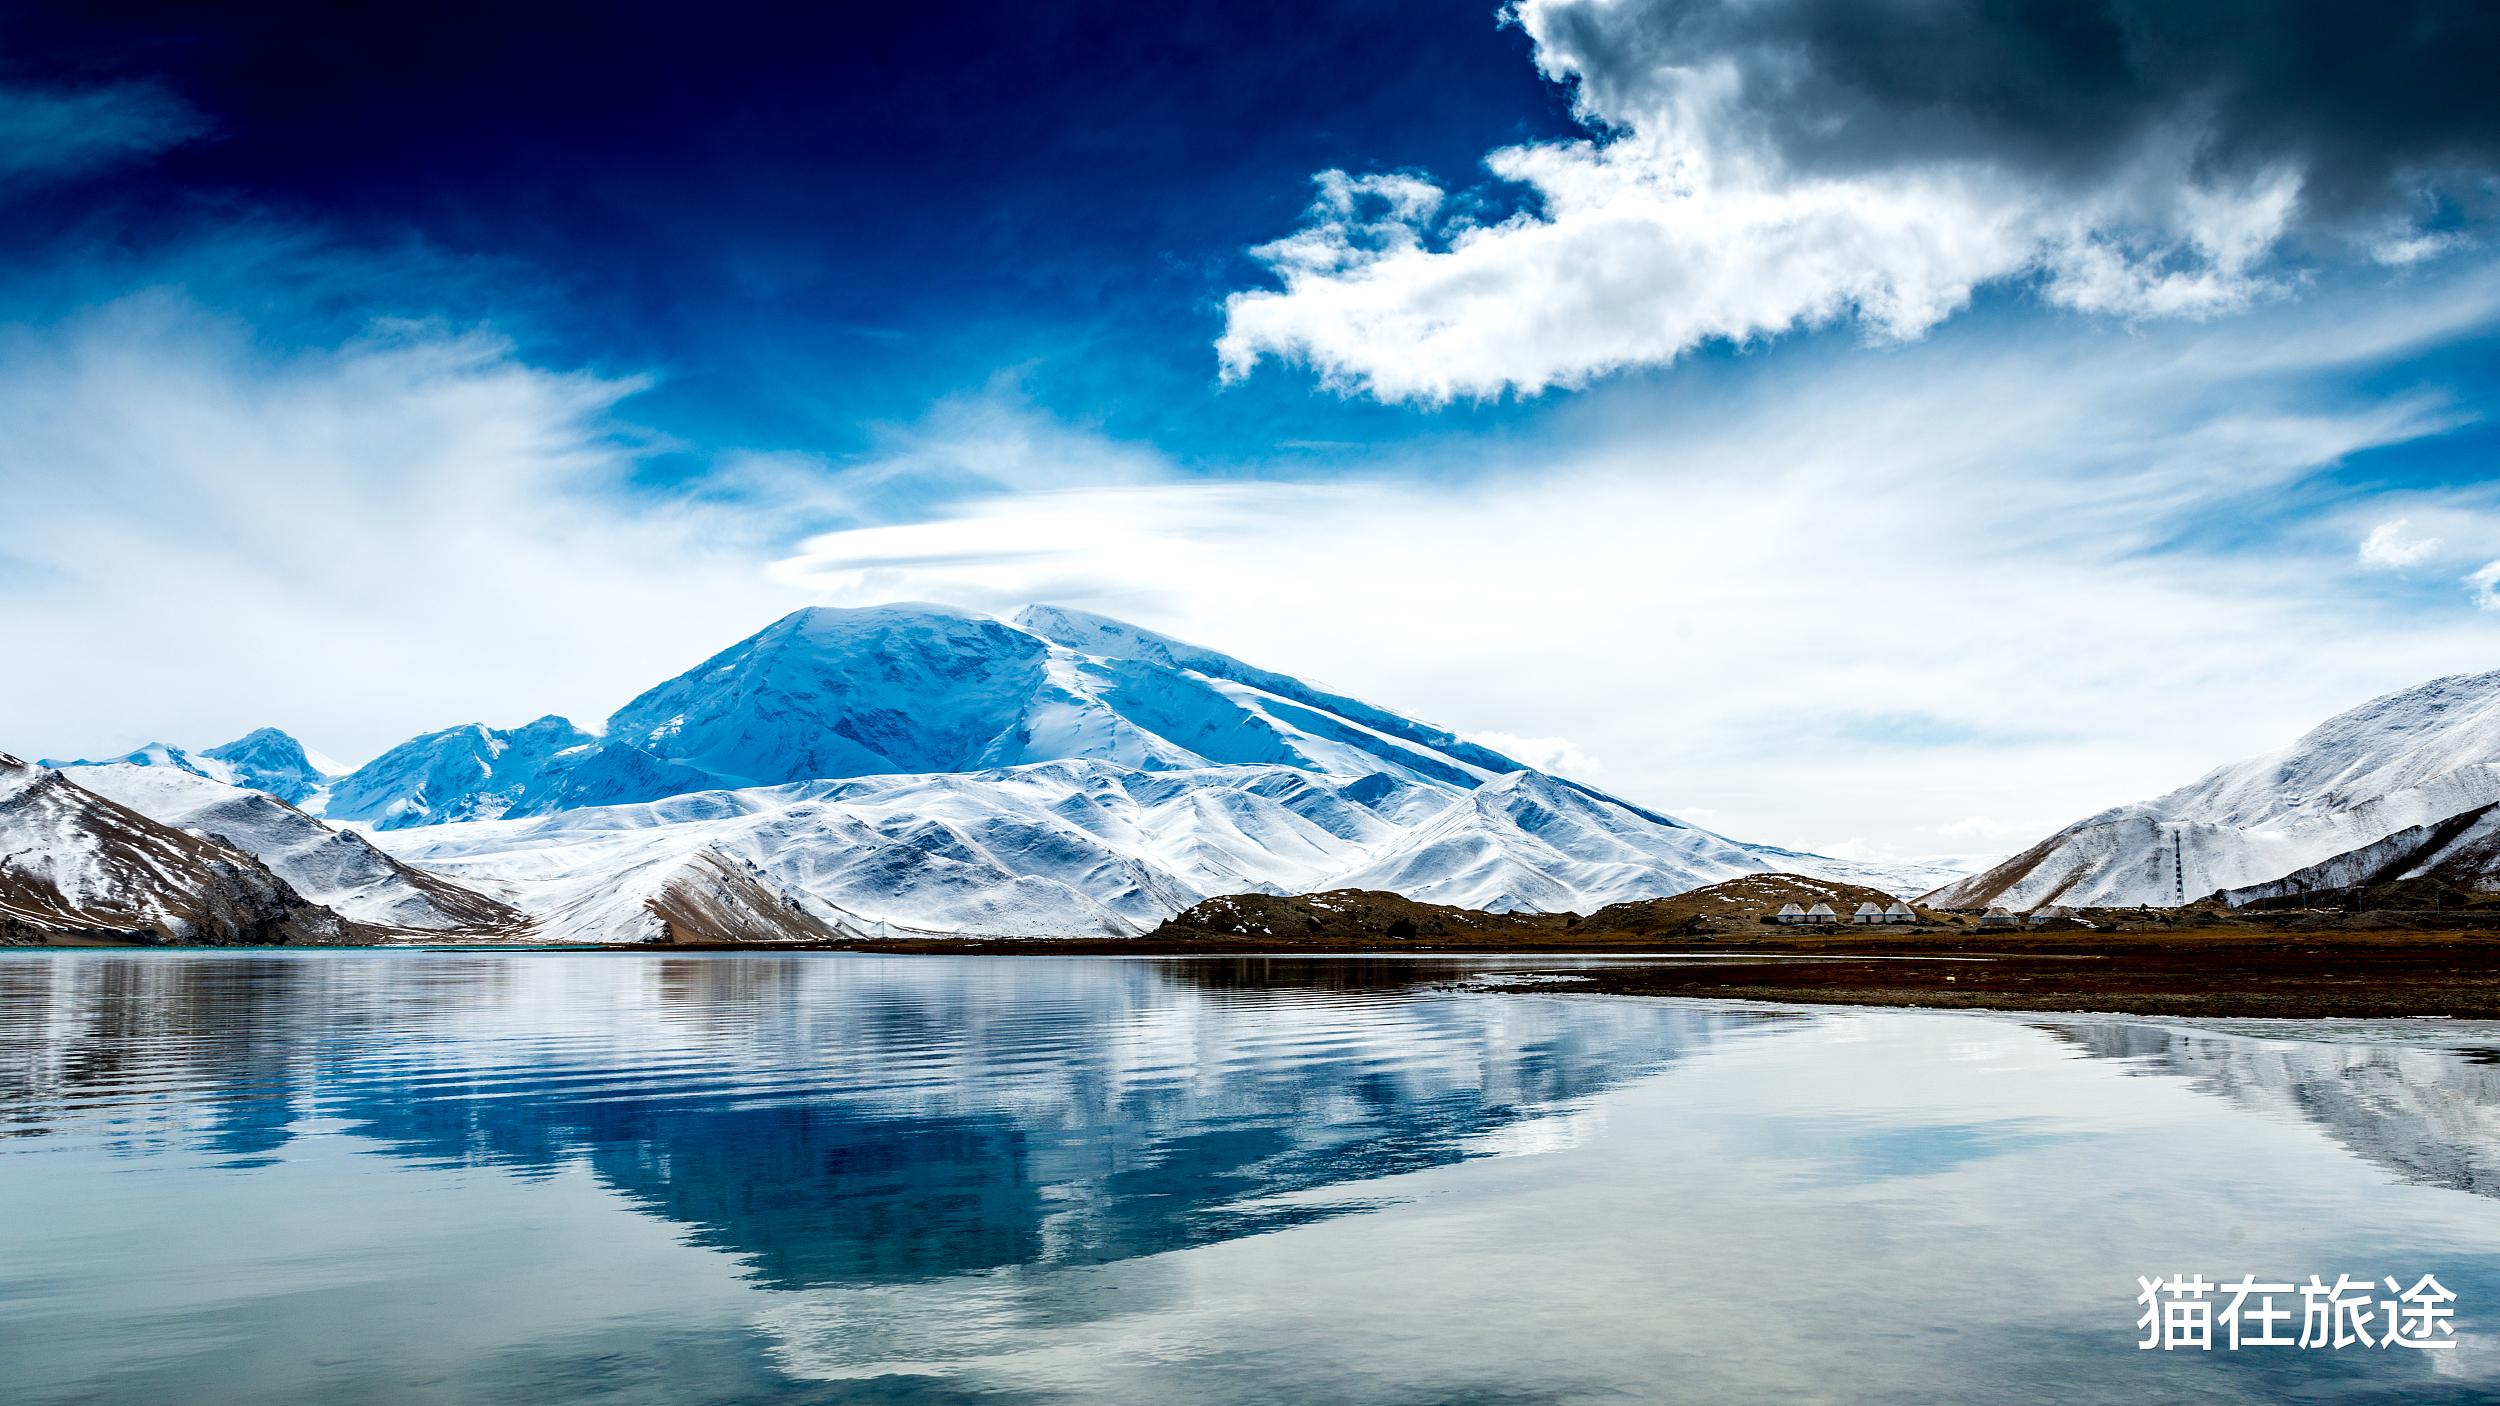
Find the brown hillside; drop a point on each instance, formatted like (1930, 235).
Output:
(1343, 917)
(1732, 903)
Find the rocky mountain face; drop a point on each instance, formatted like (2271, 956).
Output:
(2443, 864)
(338, 869)
(2326, 808)
(75, 866)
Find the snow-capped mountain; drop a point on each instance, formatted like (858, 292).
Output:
(339, 869)
(926, 769)
(825, 694)
(1052, 848)
(2411, 758)
(460, 773)
(265, 760)
(74, 864)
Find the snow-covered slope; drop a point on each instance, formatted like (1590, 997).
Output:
(2411, 758)
(460, 773)
(1532, 843)
(1311, 727)
(904, 689)
(2461, 852)
(932, 769)
(264, 759)
(1080, 848)
(907, 689)
(1053, 849)
(338, 869)
(76, 865)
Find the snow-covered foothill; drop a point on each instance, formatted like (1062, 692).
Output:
(2410, 758)
(339, 869)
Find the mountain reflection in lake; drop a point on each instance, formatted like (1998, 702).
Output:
(457, 1177)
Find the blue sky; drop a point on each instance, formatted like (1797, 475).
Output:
(813, 220)
(1894, 427)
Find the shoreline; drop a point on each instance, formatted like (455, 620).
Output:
(2202, 972)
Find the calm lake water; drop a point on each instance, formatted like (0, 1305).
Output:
(412, 1177)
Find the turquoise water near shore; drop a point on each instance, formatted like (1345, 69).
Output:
(438, 1177)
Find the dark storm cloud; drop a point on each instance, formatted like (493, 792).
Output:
(2372, 99)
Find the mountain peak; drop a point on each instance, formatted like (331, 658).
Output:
(835, 621)
(271, 760)
(259, 738)
(834, 692)
(264, 759)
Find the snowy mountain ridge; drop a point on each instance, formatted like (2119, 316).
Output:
(264, 759)
(2407, 759)
(933, 769)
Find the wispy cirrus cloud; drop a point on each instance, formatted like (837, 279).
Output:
(52, 133)
(404, 530)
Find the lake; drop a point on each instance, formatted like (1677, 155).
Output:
(454, 1177)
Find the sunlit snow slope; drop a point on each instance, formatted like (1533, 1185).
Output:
(919, 768)
(2411, 758)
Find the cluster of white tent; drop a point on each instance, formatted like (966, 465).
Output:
(2008, 918)
(1899, 912)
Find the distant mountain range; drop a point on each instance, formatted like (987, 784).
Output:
(2398, 790)
(266, 760)
(916, 768)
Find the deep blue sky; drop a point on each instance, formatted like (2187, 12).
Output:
(809, 218)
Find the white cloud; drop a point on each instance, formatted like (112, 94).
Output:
(2388, 548)
(2484, 582)
(1980, 531)
(408, 531)
(1679, 224)
(1559, 755)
